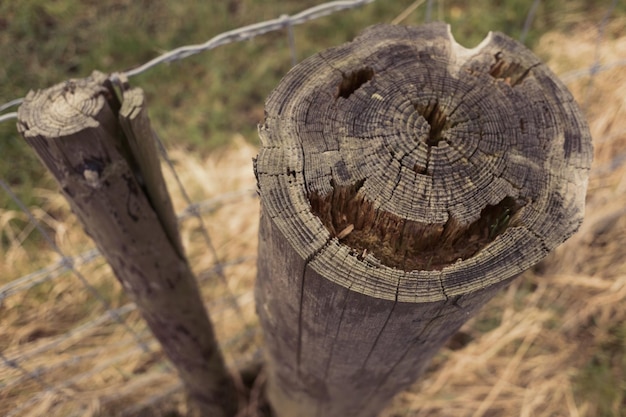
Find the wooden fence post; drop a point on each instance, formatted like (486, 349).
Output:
(103, 155)
(404, 180)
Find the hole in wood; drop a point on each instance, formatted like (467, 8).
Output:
(405, 244)
(509, 72)
(353, 81)
(437, 120)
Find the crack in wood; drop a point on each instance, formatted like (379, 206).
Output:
(353, 81)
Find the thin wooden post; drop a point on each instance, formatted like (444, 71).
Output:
(404, 180)
(103, 155)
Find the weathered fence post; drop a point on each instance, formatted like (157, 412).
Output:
(103, 155)
(404, 180)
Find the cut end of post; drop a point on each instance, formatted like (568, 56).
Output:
(416, 160)
(66, 109)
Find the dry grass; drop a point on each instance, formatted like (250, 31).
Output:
(548, 328)
(530, 352)
(95, 364)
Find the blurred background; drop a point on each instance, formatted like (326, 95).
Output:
(71, 343)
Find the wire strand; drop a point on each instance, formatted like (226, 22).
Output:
(247, 32)
(68, 263)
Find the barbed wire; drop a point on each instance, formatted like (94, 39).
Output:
(288, 21)
(529, 20)
(285, 21)
(140, 341)
(247, 32)
(130, 349)
(47, 273)
(596, 61)
(11, 103)
(568, 77)
(106, 317)
(8, 116)
(81, 331)
(575, 75)
(62, 266)
(203, 228)
(67, 261)
(62, 385)
(68, 264)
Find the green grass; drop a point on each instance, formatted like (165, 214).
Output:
(602, 381)
(203, 101)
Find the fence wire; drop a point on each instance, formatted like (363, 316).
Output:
(19, 364)
(137, 341)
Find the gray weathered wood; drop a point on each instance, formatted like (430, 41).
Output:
(404, 180)
(106, 163)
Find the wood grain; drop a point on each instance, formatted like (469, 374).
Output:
(104, 158)
(404, 179)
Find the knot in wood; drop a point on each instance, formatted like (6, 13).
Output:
(412, 167)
